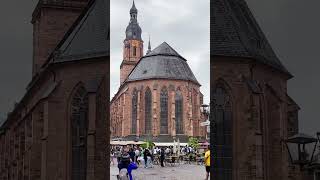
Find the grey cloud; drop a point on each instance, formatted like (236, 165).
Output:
(293, 31)
(184, 24)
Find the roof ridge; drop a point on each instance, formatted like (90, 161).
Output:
(164, 49)
(70, 30)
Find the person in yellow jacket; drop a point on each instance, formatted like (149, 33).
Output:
(207, 162)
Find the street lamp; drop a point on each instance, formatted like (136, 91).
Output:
(204, 109)
(301, 148)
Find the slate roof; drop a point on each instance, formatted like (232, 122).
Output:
(2, 119)
(236, 33)
(89, 36)
(162, 63)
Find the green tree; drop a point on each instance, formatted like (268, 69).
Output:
(193, 142)
(147, 144)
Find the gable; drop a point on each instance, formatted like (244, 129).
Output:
(88, 38)
(237, 34)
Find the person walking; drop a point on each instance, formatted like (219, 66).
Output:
(162, 157)
(124, 161)
(145, 157)
(112, 155)
(207, 162)
(137, 154)
(132, 154)
(132, 166)
(149, 159)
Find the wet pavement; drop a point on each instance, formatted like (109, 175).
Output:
(176, 172)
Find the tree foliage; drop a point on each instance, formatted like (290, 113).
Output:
(147, 144)
(193, 142)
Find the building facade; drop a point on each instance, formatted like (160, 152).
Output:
(251, 108)
(159, 97)
(58, 130)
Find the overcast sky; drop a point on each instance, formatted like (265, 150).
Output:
(183, 24)
(291, 27)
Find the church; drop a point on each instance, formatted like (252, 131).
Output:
(159, 97)
(252, 111)
(58, 131)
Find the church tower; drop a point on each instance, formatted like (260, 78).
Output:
(133, 45)
(51, 19)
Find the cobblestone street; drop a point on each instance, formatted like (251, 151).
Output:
(178, 172)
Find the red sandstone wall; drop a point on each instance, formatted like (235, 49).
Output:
(259, 120)
(46, 154)
(121, 111)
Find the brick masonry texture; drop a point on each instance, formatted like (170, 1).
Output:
(261, 120)
(121, 124)
(35, 140)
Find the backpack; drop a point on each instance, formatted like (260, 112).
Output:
(125, 159)
(137, 152)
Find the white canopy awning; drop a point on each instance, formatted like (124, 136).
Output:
(162, 144)
(123, 143)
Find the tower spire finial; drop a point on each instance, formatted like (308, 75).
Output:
(149, 46)
(133, 9)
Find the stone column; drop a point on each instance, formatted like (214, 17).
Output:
(35, 155)
(121, 120)
(44, 140)
(155, 122)
(127, 121)
(138, 114)
(256, 118)
(189, 118)
(198, 114)
(91, 135)
(173, 114)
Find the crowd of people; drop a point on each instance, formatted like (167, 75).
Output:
(130, 158)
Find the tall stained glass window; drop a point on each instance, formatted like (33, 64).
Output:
(179, 112)
(79, 128)
(222, 133)
(164, 111)
(148, 111)
(134, 111)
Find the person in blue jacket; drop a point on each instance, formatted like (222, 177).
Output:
(131, 167)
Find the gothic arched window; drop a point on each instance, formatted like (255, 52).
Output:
(148, 111)
(179, 112)
(134, 111)
(164, 111)
(79, 128)
(222, 134)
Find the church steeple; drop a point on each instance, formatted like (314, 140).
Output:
(133, 11)
(133, 30)
(133, 45)
(149, 46)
